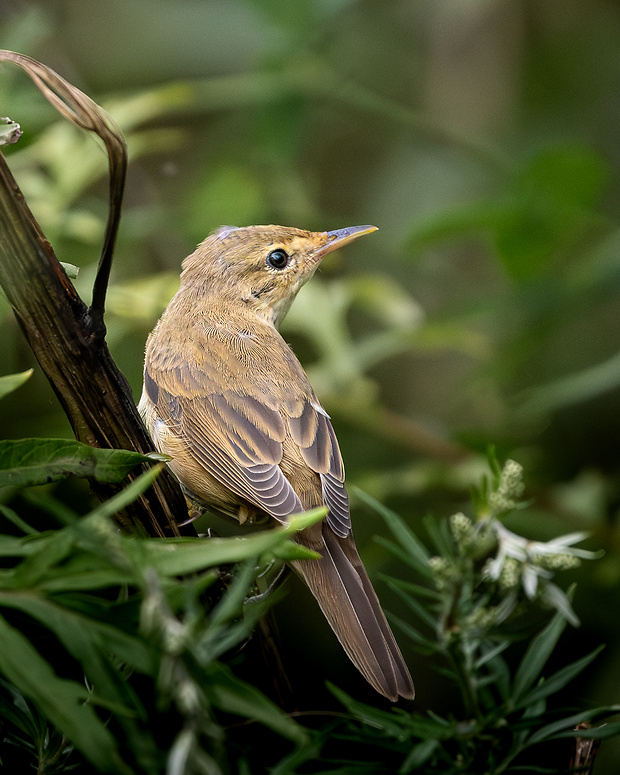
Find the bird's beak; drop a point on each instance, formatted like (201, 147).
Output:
(340, 237)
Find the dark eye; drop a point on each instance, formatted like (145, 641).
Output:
(278, 258)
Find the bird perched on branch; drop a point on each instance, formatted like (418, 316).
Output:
(227, 399)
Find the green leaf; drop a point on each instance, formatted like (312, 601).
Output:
(64, 702)
(543, 213)
(536, 656)
(390, 723)
(86, 638)
(234, 696)
(71, 270)
(11, 382)
(14, 517)
(178, 556)
(598, 733)
(53, 548)
(410, 543)
(565, 727)
(421, 612)
(415, 589)
(426, 643)
(569, 175)
(10, 131)
(28, 462)
(559, 680)
(489, 654)
(572, 389)
(11, 546)
(418, 756)
(232, 601)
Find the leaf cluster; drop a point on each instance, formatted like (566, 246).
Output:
(506, 679)
(112, 644)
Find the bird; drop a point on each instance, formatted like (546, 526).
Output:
(227, 400)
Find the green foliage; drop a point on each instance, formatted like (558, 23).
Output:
(119, 609)
(548, 207)
(11, 382)
(88, 615)
(27, 462)
(469, 619)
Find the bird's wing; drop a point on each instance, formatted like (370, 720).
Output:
(237, 439)
(237, 435)
(311, 429)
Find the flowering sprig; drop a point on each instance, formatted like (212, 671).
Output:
(499, 566)
(478, 600)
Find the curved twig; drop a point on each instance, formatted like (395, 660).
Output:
(66, 336)
(84, 112)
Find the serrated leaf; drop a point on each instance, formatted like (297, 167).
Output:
(28, 462)
(11, 382)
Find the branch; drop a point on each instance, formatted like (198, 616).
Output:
(66, 336)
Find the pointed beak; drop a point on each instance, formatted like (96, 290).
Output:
(340, 237)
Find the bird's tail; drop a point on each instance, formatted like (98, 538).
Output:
(339, 582)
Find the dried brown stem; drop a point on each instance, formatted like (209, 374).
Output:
(66, 336)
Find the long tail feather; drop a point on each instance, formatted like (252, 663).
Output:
(339, 582)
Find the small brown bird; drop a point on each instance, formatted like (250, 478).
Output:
(227, 399)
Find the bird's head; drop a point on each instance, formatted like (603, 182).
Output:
(262, 266)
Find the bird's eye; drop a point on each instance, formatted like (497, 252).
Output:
(278, 258)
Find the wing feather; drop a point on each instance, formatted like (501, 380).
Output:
(335, 496)
(238, 436)
(312, 430)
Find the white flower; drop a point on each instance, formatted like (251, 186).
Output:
(535, 558)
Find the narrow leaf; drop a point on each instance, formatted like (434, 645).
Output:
(176, 557)
(418, 756)
(401, 532)
(559, 728)
(64, 702)
(234, 696)
(14, 517)
(420, 611)
(536, 656)
(559, 680)
(598, 733)
(388, 722)
(11, 382)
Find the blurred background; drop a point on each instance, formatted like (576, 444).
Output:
(481, 137)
